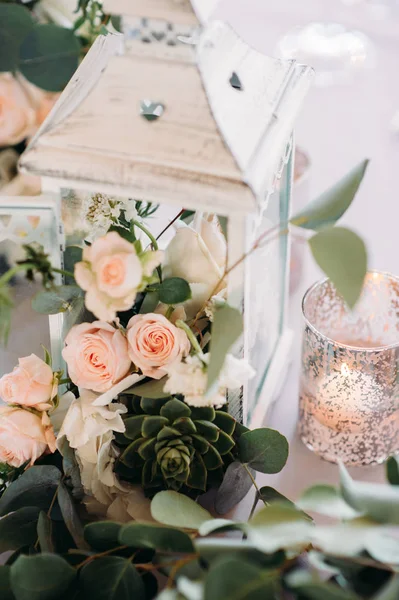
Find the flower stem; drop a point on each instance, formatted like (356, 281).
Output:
(148, 233)
(194, 342)
(11, 272)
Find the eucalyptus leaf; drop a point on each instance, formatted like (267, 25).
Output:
(178, 510)
(234, 487)
(18, 529)
(71, 517)
(102, 535)
(150, 389)
(379, 501)
(344, 539)
(320, 590)
(71, 468)
(326, 500)
(227, 327)
(235, 579)
(342, 255)
(150, 302)
(59, 300)
(383, 545)
(5, 584)
(220, 526)
(174, 290)
(48, 56)
(35, 487)
(390, 591)
(41, 577)
(268, 495)
(265, 450)
(15, 23)
(112, 578)
(392, 470)
(279, 526)
(333, 203)
(45, 533)
(167, 539)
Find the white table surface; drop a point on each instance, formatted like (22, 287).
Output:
(338, 126)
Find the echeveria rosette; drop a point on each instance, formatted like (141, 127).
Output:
(169, 445)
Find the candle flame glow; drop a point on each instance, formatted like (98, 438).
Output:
(345, 370)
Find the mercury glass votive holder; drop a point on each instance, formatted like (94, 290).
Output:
(349, 389)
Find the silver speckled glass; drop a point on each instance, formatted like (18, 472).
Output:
(349, 391)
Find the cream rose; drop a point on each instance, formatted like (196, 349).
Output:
(24, 436)
(198, 255)
(17, 115)
(112, 273)
(97, 355)
(154, 343)
(31, 383)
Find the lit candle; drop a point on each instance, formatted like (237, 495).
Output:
(346, 398)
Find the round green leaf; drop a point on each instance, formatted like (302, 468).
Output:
(45, 533)
(35, 487)
(174, 291)
(326, 500)
(342, 255)
(71, 517)
(235, 486)
(265, 450)
(177, 510)
(49, 56)
(167, 539)
(58, 300)
(232, 578)
(279, 526)
(220, 526)
(18, 528)
(102, 535)
(112, 578)
(41, 577)
(15, 24)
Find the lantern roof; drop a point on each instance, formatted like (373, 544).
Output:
(180, 12)
(206, 133)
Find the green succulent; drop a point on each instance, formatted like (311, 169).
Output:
(170, 445)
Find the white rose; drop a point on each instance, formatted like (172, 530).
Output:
(84, 421)
(198, 255)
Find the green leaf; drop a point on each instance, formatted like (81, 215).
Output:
(72, 255)
(225, 421)
(390, 591)
(342, 255)
(235, 579)
(265, 450)
(47, 356)
(48, 56)
(392, 470)
(279, 526)
(5, 585)
(133, 426)
(174, 291)
(71, 468)
(59, 300)
(15, 24)
(227, 327)
(150, 389)
(177, 510)
(326, 500)
(152, 425)
(41, 577)
(102, 535)
(319, 590)
(166, 539)
(333, 203)
(35, 487)
(112, 578)
(117, 22)
(235, 486)
(220, 526)
(379, 501)
(150, 302)
(345, 539)
(71, 517)
(18, 528)
(45, 533)
(175, 409)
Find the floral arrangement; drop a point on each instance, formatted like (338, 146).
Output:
(41, 44)
(137, 429)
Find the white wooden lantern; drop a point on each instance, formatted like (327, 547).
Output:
(223, 145)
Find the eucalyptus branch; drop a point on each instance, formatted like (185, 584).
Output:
(14, 270)
(100, 555)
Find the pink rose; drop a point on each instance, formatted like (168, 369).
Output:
(111, 274)
(31, 383)
(154, 343)
(96, 355)
(17, 115)
(23, 436)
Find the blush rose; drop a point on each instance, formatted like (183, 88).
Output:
(154, 343)
(97, 355)
(17, 115)
(31, 384)
(24, 436)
